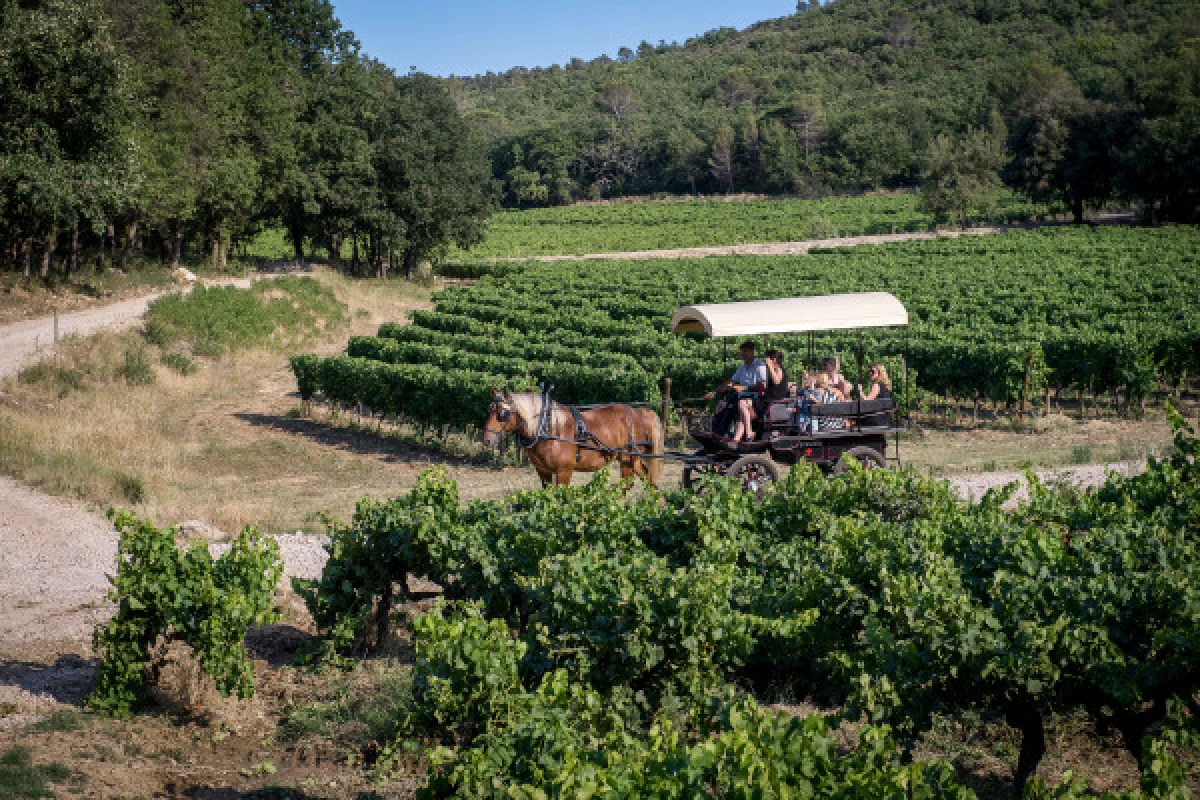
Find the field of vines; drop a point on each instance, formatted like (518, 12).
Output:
(621, 227)
(1081, 310)
(597, 644)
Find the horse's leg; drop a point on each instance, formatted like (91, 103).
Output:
(562, 476)
(546, 477)
(628, 468)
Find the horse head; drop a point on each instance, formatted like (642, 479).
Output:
(502, 419)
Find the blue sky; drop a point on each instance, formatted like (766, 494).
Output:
(468, 37)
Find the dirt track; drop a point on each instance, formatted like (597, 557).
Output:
(20, 341)
(774, 248)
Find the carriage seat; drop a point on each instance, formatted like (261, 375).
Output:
(854, 408)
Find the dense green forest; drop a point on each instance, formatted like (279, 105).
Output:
(148, 128)
(1083, 101)
(171, 130)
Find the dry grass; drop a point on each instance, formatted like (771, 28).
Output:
(1053, 441)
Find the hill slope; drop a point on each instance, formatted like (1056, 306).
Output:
(844, 96)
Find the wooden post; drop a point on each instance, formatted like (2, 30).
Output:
(1025, 388)
(1047, 401)
(666, 404)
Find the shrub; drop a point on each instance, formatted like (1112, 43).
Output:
(182, 595)
(137, 370)
(179, 363)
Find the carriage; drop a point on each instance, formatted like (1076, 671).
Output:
(562, 439)
(828, 435)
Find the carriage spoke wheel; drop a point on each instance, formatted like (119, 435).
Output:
(755, 472)
(869, 457)
(695, 472)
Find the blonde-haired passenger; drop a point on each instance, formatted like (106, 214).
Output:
(881, 389)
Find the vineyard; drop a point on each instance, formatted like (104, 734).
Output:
(621, 227)
(1002, 318)
(593, 644)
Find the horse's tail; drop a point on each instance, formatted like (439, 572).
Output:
(654, 466)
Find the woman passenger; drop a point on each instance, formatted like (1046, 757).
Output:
(832, 368)
(881, 389)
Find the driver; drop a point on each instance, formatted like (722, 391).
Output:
(749, 380)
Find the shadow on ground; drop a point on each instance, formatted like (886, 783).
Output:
(271, 793)
(362, 441)
(67, 680)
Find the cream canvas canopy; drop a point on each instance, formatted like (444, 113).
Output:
(792, 315)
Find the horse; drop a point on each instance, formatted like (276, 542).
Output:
(558, 447)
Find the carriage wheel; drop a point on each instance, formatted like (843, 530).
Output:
(869, 457)
(755, 473)
(694, 472)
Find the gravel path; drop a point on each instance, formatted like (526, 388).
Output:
(20, 341)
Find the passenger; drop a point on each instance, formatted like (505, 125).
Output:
(749, 380)
(832, 368)
(881, 389)
(826, 394)
(805, 397)
(774, 390)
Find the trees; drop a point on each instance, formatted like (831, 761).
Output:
(720, 163)
(65, 149)
(434, 177)
(961, 174)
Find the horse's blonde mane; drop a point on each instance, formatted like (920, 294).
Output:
(528, 407)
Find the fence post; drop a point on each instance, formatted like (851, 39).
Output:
(1025, 388)
(666, 404)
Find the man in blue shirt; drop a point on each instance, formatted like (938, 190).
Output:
(751, 374)
(749, 379)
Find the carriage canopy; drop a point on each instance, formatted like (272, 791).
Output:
(792, 315)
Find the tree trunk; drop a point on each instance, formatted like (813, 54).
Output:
(27, 257)
(176, 248)
(410, 263)
(1077, 210)
(47, 253)
(132, 240)
(1026, 718)
(296, 234)
(335, 250)
(73, 256)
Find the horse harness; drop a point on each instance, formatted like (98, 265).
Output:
(584, 438)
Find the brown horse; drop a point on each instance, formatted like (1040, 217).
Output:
(618, 433)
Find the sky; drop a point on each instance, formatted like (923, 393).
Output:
(470, 37)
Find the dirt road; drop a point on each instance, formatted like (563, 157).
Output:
(20, 341)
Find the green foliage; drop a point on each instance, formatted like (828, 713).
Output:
(179, 363)
(137, 370)
(161, 591)
(990, 311)
(880, 590)
(20, 779)
(383, 545)
(626, 226)
(466, 677)
(573, 741)
(226, 319)
(850, 95)
(962, 175)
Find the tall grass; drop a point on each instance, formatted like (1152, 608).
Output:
(224, 320)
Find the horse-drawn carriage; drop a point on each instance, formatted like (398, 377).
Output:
(787, 431)
(562, 439)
